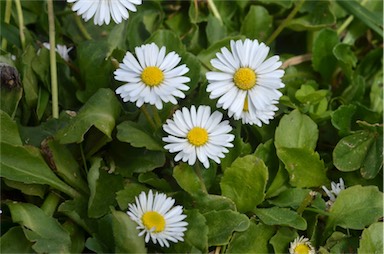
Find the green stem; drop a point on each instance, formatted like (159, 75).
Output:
(83, 158)
(82, 28)
(316, 210)
(21, 23)
(148, 116)
(306, 202)
(155, 113)
(52, 58)
(214, 10)
(348, 20)
(7, 18)
(285, 22)
(50, 204)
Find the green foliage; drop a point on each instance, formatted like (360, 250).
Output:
(67, 181)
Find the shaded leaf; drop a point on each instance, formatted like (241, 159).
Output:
(9, 132)
(188, 180)
(128, 194)
(372, 239)
(282, 239)
(14, 241)
(257, 24)
(341, 118)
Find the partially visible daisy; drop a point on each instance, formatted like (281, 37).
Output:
(103, 10)
(336, 188)
(153, 78)
(301, 245)
(158, 219)
(62, 50)
(198, 134)
(245, 82)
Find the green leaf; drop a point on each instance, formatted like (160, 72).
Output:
(303, 131)
(356, 207)
(253, 240)
(244, 182)
(209, 203)
(281, 240)
(10, 90)
(29, 80)
(305, 168)
(346, 57)
(318, 15)
(194, 66)
(372, 239)
(29, 189)
(373, 21)
(49, 236)
(188, 180)
(64, 164)
(222, 224)
(281, 217)
(134, 134)
(25, 164)
(196, 236)
(100, 111)
(14, 241)
(167, 38)
(294, 197)
(341, 118)
(76, 234)
(103, 187)
(323, 59)
(307, 94)
(373, 162)
(9, 132)
(126, 235)
(117, 38)
(94, 69)
(257, 24)
(128, 194)
(376, 93)
(280, 182)
(153, 180)
(350, 152)
(215, 30)
(355, 90)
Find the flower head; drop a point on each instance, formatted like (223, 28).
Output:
(103, 10)
(301, 245)
(336, 188)
(157, 218)
(198, 134)
(246, 83)
(153, 78)
(62, 50)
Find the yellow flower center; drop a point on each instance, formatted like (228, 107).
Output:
(245, 107)
(245, 78)
(197, 136)
(154, 220)
(152, 76)
(302, 249)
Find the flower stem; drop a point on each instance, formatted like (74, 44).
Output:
(306, 202)
(7, 18)
(50, 204)
(214, 10)
(348, 20)
(155, 113)
(21, 23)
(285, 22)
(148, 116)
(82, 28)
(52, 58)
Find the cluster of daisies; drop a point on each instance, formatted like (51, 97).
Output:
(245, 83)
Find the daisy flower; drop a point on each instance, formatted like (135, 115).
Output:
(246, 83)
(336, 188)
(301, 245)
(158, 219)
(198, 134)
(102, 10)
(153, 78)
(62, 50)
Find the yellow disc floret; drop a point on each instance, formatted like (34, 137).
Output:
(152, 76)
(245, 78)
(154, 220)
(302, 249)
(197, 136)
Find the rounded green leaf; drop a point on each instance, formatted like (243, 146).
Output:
(253, 240)
(222, 224)
(188, 180)
(281, 240)
(9, 133)
(305, 168)
(257, 24)
(356, 207)
(244, 182)
(372, 239)
(296, 130)
(14, 241)
(349, 154)
(282, 217)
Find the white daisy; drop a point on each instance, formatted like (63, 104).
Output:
(301, 245)
(153, 78)
(246, 83)
(198, 134)
(62, 50)
(102, 10)
(336, 188)
(157, 218)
